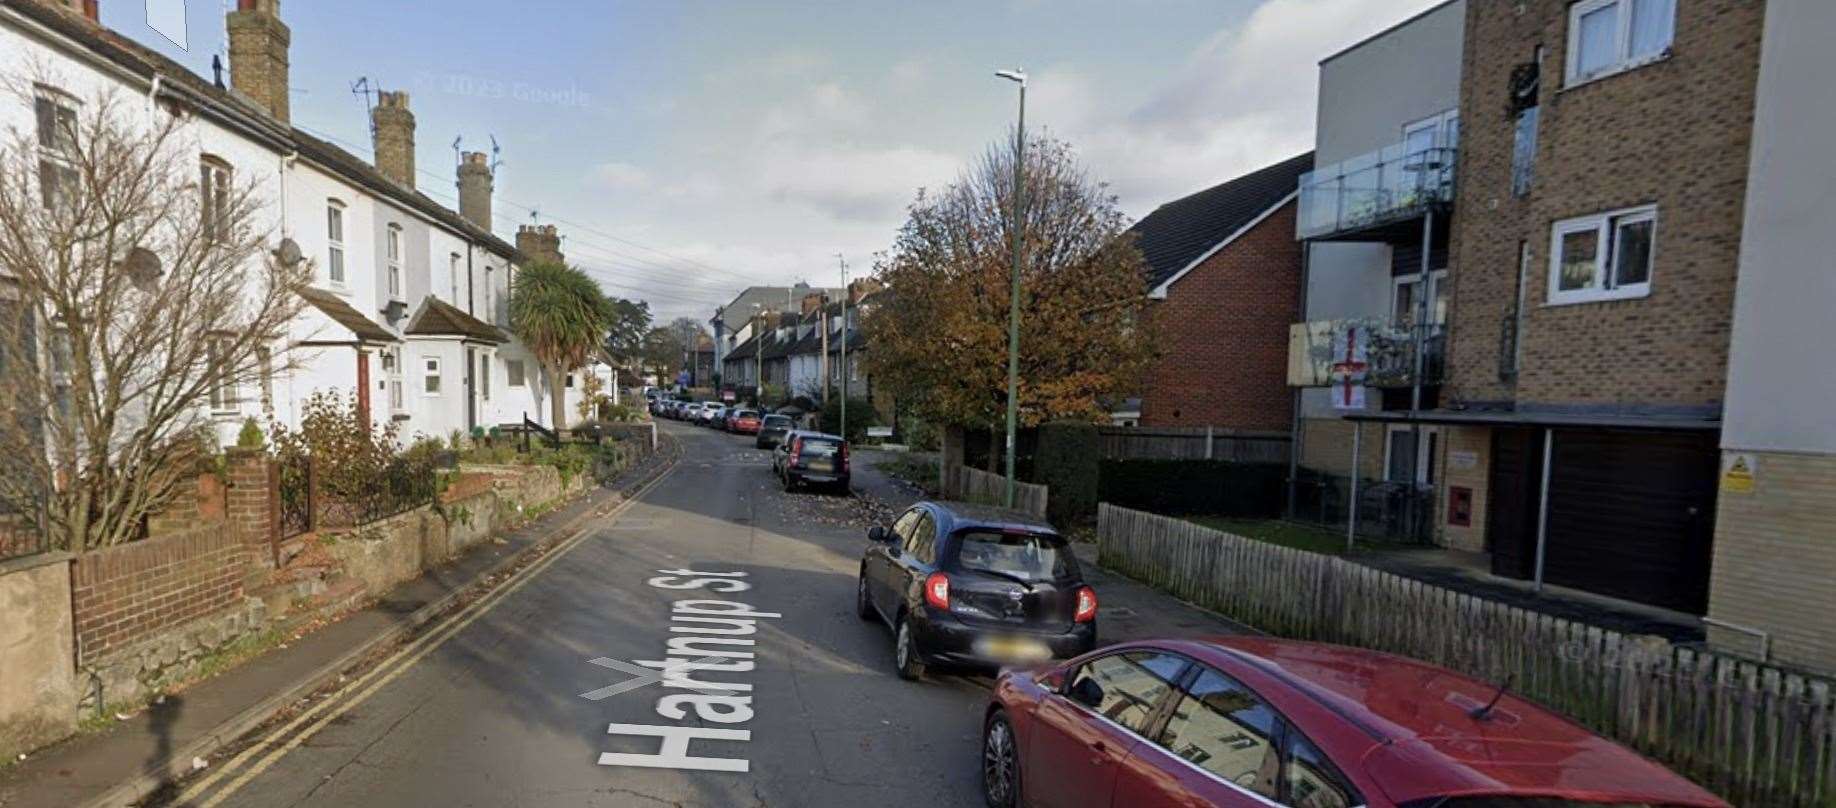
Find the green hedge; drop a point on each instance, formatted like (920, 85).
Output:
(1065, 459)
(1212, 487)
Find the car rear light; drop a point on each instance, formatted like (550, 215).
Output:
(937, 590)
(796, 450)
(1086, 605)
(844, 458)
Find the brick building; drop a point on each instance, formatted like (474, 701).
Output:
(1603, 167)
(1224, 275)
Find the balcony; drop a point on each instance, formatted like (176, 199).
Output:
(1367, 192)
(1381, 354)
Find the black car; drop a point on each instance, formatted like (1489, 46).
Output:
(975, 587)
(811, 458)
(772, 430)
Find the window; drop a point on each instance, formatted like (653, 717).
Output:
(1131, 685)
(1309, 780)
(392, 377)
(395, 261)
(1405, 298)
(1030, 556)
(484, 375)
(490, 300)
(223, 392)
(921, 545)
(513, 368)
(907, 523)
(214, 193)
(452, 274)
(1608, 36)
(1403, 460)
(1604, 257)
(1220, 726)
(570, 380)
(265, 359)
(1523, 152)
(334, 241)
(56, 117)
(431, 381)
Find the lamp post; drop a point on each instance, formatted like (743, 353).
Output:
(1013, 311)
(844, 343)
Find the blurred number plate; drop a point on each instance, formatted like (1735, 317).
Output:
(879, 431)
(1012, 649)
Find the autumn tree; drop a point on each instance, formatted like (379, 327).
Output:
(136, 292)
(662, 353)
(624, 343)
(939, 339)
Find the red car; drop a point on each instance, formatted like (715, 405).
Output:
(1250, 721)
(744, 422)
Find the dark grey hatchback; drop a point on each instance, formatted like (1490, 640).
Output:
(976, 587)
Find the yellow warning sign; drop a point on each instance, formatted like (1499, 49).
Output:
(1737, 474)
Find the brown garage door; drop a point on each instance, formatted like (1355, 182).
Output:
(1631, 515)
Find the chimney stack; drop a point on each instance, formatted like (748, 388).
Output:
(392, 124)
(258, 55)
(475, 188)
(862, 287)
(87, 9)
(540, 243)
(811, 302)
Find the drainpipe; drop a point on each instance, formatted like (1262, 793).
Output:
(1542, 513)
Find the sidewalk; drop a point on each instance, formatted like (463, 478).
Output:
(130, 758)
(1127, 610)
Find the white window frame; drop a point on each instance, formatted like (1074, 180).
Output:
(1424, 452)
(225, 398)
(336, 270)
(392, 378)
(1622, 41)
(490, 300)
(452, 277)
(1436, 279)
(431, 369)
(214, 178)
(393, 249)
(485, 355)
(56, 159)
(1446, 126)
(1604, 286)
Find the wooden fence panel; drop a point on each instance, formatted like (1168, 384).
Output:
(991, 489)
(1193, 443)
(1756, 734)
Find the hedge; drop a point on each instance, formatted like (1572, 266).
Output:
(1065, 459)
(1211, 487)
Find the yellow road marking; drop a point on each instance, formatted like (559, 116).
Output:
(388, 670)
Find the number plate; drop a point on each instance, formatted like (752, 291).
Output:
(823, 466)
(1012, 649)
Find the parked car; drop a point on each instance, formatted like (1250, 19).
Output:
(772, 429)
(711, 413)
(812, 458)
(743, 422)
(726, 418)
(1255, 721)
(975, 586)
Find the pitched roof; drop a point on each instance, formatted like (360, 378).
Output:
(744, 350)
(344, 314)
(1185, 230)
(440, 318)
(358, 170)
(736, 312)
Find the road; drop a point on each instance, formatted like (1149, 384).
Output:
(494, 714)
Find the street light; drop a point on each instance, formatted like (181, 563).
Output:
(1017, 76)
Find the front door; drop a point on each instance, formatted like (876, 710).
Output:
(1515, 502)
(471, 389)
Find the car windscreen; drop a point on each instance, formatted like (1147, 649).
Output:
(745, 414)
(1032, 556)
(777, 420)
(820, 447)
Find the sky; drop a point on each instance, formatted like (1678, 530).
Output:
(689, 149)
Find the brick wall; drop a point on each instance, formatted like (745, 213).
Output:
(1326, 446)
(1464, 443)
(199, 500)
(1674, 133)
(253, 501)
(1773, 556)
(1223, 335)
(126, 594)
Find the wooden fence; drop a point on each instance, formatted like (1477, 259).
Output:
(975, 485)
(1756, 734)
(1193, 443)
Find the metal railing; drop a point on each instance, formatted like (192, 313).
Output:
(1392, 184)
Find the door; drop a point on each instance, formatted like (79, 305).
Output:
(1631, 515)
(883, 560)
(1220, 745)
(1077, 747)
(471, 390)
(1514, 503)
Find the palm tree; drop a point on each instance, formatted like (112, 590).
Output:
(562, 316)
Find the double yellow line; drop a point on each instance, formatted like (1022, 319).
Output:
(287, 737)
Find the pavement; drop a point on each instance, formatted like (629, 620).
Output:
(527, 697)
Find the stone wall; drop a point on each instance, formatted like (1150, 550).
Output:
(37, 671)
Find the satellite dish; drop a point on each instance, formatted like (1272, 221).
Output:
(289, 253)
(142, 266)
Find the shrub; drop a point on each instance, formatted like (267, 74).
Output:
(251, 437)
(861, 415)
(1066, 459)
(1214, 487)
(349, 457)
(919, 434)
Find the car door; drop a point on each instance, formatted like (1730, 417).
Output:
(912, 563)
(881, 559)
(1075, 748)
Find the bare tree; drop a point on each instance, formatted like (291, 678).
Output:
(135, 285)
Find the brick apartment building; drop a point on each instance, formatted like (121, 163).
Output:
(1603, 171)
(1224, 273)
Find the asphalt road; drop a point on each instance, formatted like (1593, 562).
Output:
(495, 715)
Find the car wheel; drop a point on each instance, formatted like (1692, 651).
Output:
(863, 607)
(905, 653)
(1000, 763)
(790, 484)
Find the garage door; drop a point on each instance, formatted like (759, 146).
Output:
(1631, 515)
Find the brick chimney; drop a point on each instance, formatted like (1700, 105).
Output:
(258, 55)
(811, 302)
(88, 9)
(393, 126)
(475, 188)
(540, 242)
(858, 289)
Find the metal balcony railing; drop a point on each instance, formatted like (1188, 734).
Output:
(1384, 356)
(1392, 184)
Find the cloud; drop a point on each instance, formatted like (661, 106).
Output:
(622, 176)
